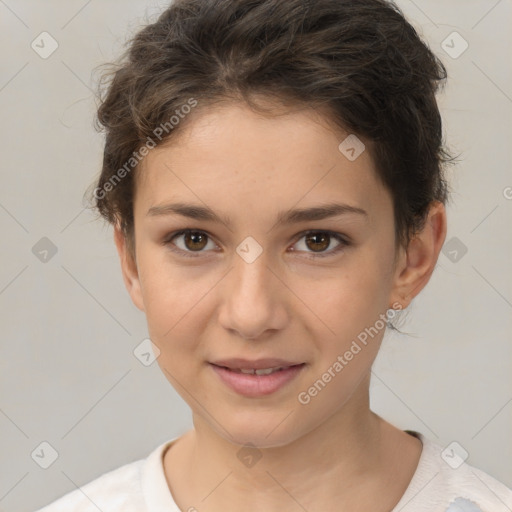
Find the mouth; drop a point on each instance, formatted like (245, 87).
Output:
(259, 371)
(255, 382)
(266, 363)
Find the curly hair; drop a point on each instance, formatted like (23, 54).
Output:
(359, 61)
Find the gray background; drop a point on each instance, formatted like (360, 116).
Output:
(68, 374)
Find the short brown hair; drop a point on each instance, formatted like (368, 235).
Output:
(359, 61)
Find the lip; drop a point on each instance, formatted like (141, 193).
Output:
(252, 385)
(257, 364)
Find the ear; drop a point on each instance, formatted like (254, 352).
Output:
(128, 267)
(417, 262)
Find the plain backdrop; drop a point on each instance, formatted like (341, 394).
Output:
(68, 374)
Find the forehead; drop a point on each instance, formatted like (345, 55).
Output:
(232, 155)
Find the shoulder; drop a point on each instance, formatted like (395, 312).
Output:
(444, 482)
(116, 490)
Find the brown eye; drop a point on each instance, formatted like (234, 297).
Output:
(195, 240)
(189, 242)
(318, 242)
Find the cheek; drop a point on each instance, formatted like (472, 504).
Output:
(350, 297)
(337, 303)
(176, 302)
(353, 307)
(174, 313)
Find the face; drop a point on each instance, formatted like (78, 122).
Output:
(254, 281)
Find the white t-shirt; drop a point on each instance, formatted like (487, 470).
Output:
(436, 486)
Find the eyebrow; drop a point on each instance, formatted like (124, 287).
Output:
(204, 213)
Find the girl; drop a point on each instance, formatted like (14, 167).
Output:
(273, 170)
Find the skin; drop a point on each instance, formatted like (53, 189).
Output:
(332, 453)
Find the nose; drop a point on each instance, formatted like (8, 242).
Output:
(253, 300)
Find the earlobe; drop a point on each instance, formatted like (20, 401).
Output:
(420, 258)
(128, 268)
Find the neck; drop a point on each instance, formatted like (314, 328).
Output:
(345, 440)
(346, 460)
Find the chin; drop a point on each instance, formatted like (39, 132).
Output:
(268, 432)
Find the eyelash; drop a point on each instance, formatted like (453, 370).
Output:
(343, 242)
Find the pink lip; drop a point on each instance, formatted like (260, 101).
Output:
(257, 385)
(237, 363)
